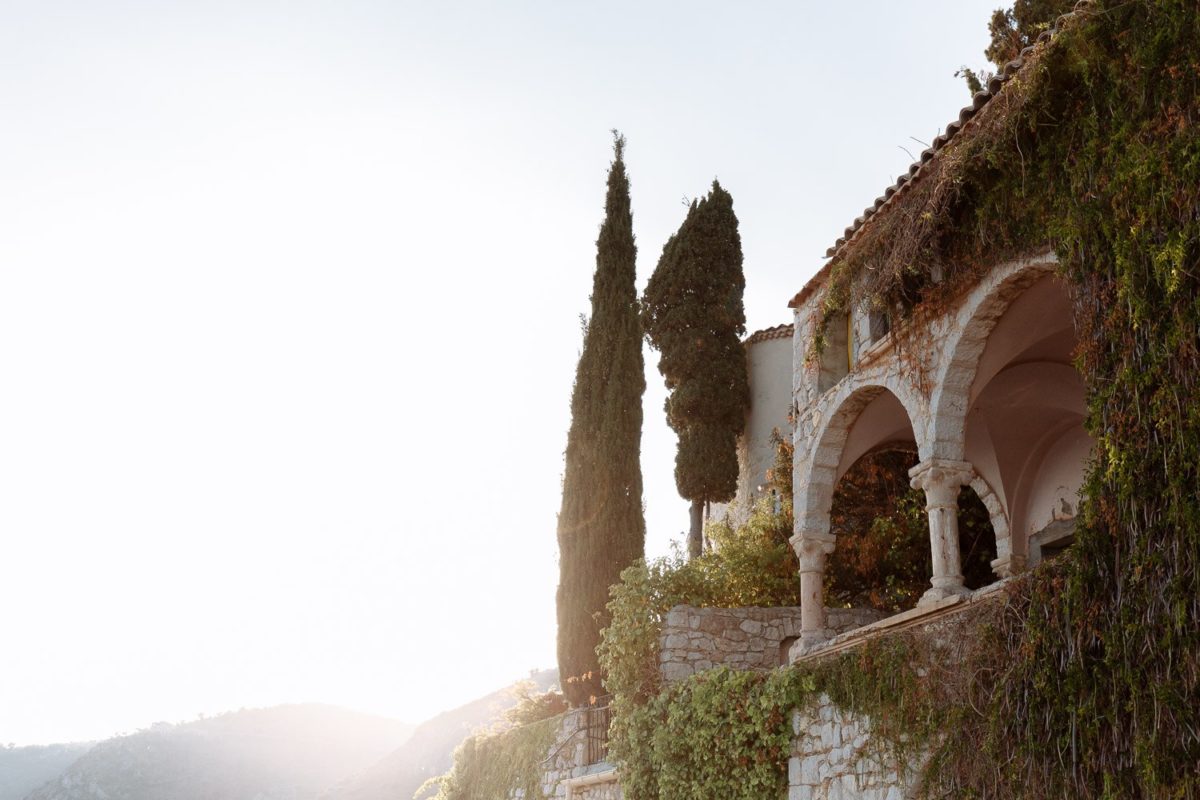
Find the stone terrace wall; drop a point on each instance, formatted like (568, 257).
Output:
(832, 758)
(695, 639)
(599, 791)
(567, 765)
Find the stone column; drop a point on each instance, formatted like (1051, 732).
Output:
(941, 480)
(812, 550)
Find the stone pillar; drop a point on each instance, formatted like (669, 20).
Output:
(941, 480)
(812, 550)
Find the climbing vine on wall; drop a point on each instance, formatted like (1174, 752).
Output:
(727, 735)
(491, 766)
(1086, 682)
(1093, 149)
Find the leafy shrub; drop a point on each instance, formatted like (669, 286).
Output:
(752, 565)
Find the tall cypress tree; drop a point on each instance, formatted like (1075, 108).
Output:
(601, 529)
(692, 311)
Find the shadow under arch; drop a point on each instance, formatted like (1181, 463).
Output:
(950, 398)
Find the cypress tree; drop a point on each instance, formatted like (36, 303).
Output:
(601, 529)
(692, 311)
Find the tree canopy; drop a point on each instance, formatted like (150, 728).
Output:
(693, 314)
(1012, 30)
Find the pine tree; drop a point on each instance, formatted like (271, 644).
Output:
(692, 311)
(601, 529)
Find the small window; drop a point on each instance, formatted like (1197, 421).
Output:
(1052, 540)
(880, 324)
(835, 358)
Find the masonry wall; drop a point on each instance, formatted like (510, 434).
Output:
(832, 758)
(696, 639)
(568, 775)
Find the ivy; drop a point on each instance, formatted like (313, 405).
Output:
(492, 766)
(727, 735)
(1085, 680)
(1093, 149)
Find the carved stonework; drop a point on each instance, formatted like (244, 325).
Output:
(941, 479)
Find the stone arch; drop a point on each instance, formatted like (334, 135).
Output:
(818, 459)
(999, 516)
(1007, 399)
(974, 321)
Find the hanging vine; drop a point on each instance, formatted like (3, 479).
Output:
(1086, 683)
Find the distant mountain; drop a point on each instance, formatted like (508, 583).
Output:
(284, 753)
(23, 769)
(430, 751)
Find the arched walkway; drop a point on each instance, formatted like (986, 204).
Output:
(1008, 401)
(998, 407)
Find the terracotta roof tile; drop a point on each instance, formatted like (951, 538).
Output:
(766, 334)
(978, 101)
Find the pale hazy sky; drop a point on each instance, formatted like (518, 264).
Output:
(289, 314)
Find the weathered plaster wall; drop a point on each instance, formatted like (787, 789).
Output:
(769, 371)
(695, 639)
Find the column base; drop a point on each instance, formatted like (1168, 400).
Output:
(936, 594)
(808, 641)
(1007, 566)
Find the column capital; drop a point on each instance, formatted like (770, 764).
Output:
(812, 550)
(933, 474)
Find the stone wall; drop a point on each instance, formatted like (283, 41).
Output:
(832, 758)
(607, 790)
(696, 639)
(567, 774)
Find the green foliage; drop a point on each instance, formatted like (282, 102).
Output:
(601, 529)
(722, 734)
(1012, 30)
(882, 559)
(534, 706)
(1093, 149)
(693, 315)
(490, 766)
(752, 565)
(725, 734)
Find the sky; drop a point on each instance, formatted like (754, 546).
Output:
(290, 299)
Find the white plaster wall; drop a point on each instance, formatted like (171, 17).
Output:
(884, 420)
(769, 372)
(1054, 493)
(769, 366)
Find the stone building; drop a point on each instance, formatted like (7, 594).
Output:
(988, 398)
(769, 368)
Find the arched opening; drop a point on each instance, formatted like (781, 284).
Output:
(976, 539)
(785, 650)
(1024, 429)
(882, 559)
